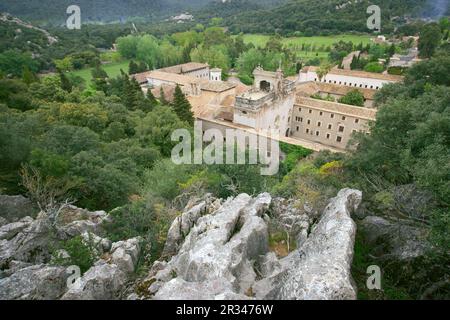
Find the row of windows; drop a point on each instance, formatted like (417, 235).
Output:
(349, 84)
(300, 119)
(317, 133)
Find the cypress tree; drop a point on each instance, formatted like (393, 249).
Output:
(133, 68)
(182, 107)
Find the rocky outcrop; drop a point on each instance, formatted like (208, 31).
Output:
(219, 249)
(395, 240)
(322, 266)
(106, 279)
(37, 282)
(14, 208)
(25, 258)
(225, 254)
(10, 230)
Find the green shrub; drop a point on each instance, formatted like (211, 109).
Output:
(81, 254)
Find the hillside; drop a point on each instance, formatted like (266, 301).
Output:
(324, 17)
(100, 10)
(114, 10)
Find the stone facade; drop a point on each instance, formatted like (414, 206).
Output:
(328, 123)
(268, 104)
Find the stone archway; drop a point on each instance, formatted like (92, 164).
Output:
(264, 86)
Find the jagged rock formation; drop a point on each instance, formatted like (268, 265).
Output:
(27, 270)
(106, 279)
(216, 249)
(225, 254)
(13, 208)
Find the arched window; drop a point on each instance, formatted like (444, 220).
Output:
(264, 86)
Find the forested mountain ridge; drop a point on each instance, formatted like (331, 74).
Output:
(54, 11)
(330, 16)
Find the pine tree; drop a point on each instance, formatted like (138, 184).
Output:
(182, 107)
(133, 68)
(99, 78)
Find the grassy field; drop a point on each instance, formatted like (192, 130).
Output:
(260, 40)
(112, 69)
(315, 47)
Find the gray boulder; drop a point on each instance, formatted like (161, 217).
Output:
(30, 245)
(395, 239)
(107, 278)
(181, 227)
(14, 208)
(125, 254)
(37, 282)
(323, 263)
(103, 281)
(218, 254)
(10, 230)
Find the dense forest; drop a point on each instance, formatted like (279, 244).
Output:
(54, 11)
(305, 17)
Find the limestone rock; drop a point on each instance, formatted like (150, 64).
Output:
(218, 254)
(395, 239)
(10, 230)
(99, 244)
(103, 281)
(30, 245)
(322, 270)
(180, 228)
(125, 254)
(37, 282)
(14, 208)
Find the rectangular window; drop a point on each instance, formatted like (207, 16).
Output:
(341, 128)
(298, 128)
(307, 130)
(317, 133)
(310, 111)
(339, 139)
(321, 113)
(328, 136)
(309, 121)
(343, 117)
(332, 116)
(356, 120)
(329, 127)
(319, 124)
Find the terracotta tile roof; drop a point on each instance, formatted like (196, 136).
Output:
(357, 74)
(217, 86)
(343, 90)
(184, 68)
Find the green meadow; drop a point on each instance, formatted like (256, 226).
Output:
(260, 40)
(112, 69)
